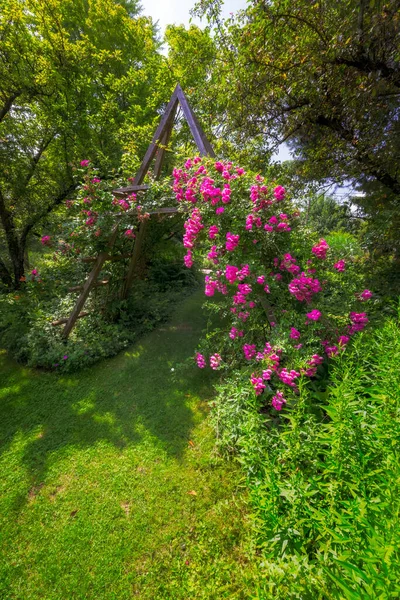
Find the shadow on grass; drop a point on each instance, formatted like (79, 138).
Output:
(121, 401)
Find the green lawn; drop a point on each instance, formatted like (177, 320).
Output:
(109, 488)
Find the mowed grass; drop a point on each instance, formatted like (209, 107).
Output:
(109, 488)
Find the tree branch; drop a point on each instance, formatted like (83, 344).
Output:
(39, 216)
(8, 104)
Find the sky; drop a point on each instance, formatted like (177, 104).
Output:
(176, 12)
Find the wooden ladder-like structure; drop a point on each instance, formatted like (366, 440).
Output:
(155, 150)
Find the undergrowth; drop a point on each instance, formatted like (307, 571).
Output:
(325, 476)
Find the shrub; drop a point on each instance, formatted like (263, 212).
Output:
(324, 480)
(290, 300)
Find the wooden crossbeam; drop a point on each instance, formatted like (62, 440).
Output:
(107, 257)
(130, 189)
(78, 288)
(62, 321)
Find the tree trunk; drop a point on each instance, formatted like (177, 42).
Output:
(16, 249)
(5, 276)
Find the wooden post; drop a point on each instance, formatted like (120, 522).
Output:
(87, 286)
(134, 259)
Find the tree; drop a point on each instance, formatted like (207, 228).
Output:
(72, 76)
(323, 76)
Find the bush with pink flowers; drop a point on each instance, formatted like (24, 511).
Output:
(295, 300)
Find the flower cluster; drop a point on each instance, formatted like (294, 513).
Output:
(258, 274)
(320, 249)
(303, 288)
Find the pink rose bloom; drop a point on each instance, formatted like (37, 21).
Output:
(268, 227)
(294, 333)
(340, 265)
(187, 259)
(314, 315)
(231, 241)
(283, 227)
(231, 273)
(249, 351)
(278, 401)
(279, 192)
(258, 384)
(266, 375)
(34, 272)
(320, 249)
(266, 289)
(212, 232)
(331, 350)
(359, 321)
(46, 240)
(261, 279)
(240, 171)
(215, 361)
(365, 295)
(315, 360)
(343, 340)
(85, 163)
(129, 234)
(201, 361)
(219, 210)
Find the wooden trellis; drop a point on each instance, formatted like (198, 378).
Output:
(155, 150)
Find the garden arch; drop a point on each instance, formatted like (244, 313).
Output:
(155, 150)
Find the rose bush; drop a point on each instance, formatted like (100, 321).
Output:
(289, 301)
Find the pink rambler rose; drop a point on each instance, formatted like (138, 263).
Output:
(314, 315)
(46, 239)
(320, 249)
(278, 401)
(294, 334)
(258, 384)
(201, 361)
(365, 295)
(212, 232)
(215, 361)
(340, 265)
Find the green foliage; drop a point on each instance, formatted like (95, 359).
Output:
(77, 81)
(322, 76)
(26, 317)
(325, 480)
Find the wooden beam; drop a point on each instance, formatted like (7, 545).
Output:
(62, 321)
(77, 288)
(107, 257)
(166, 210)
(87, 286)
(135, 258)
(164, 143)
(152, 149)
(130, 189)
(200, 137)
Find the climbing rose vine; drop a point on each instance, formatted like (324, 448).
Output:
(289, 301)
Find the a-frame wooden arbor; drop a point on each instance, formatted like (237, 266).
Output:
(155, 150)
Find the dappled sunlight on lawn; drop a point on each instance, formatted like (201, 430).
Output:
(122, 401)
